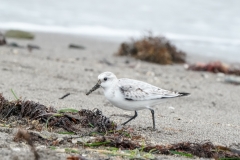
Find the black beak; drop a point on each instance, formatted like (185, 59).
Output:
(94, 88)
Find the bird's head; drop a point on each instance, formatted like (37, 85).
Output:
(105, 80)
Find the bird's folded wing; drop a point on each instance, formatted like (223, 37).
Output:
(137, 90)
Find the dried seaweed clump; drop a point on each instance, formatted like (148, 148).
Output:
(2, 39)
(153, 49)
(70, 119)
(204, 149)
(215, 67)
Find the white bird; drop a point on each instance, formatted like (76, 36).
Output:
(132, 95)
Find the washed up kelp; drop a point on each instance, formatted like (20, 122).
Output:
(152, 49)
(101, 132)
(188, 149)
(68, 119)
(2, 39)
(120, 142)
(215, 67)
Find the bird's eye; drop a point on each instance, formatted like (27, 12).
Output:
(105, 79)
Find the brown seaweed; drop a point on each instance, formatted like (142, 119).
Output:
(2, 39)
(125, 139)
(153, 49)
(215, 67)
(204, 149)
(67, 120)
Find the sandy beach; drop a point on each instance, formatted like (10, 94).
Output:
(211, 112)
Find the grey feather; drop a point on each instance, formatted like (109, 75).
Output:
(137, 90)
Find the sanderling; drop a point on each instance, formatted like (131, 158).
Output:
(132, 95)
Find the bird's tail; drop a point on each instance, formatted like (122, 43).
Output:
(184, 94)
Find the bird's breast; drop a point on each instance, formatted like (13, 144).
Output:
(110, 92)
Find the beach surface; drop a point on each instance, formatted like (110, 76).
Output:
(210, 113)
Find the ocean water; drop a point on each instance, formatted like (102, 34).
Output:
(205, 27)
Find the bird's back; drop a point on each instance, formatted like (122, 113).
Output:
(138, 90)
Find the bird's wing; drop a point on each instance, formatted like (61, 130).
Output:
(138, 90)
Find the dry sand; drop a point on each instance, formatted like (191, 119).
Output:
(212, 112)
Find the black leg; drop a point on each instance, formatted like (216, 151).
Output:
(153, 118)
(135, 115)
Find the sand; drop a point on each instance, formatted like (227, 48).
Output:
(212, 111)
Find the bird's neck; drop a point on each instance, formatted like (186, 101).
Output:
(112, 87)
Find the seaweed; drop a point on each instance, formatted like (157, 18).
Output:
(215, 67)
(2, 39)
(69, 121)
(152, 49)
(188, 149)
(126, 139)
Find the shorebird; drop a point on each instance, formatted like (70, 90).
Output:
(132, 95)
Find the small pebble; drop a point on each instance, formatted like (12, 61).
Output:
(172, 108)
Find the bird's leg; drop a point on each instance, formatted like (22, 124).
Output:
(153, 118)
(135, 115)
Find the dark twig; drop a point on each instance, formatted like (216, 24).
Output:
(65, 96)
